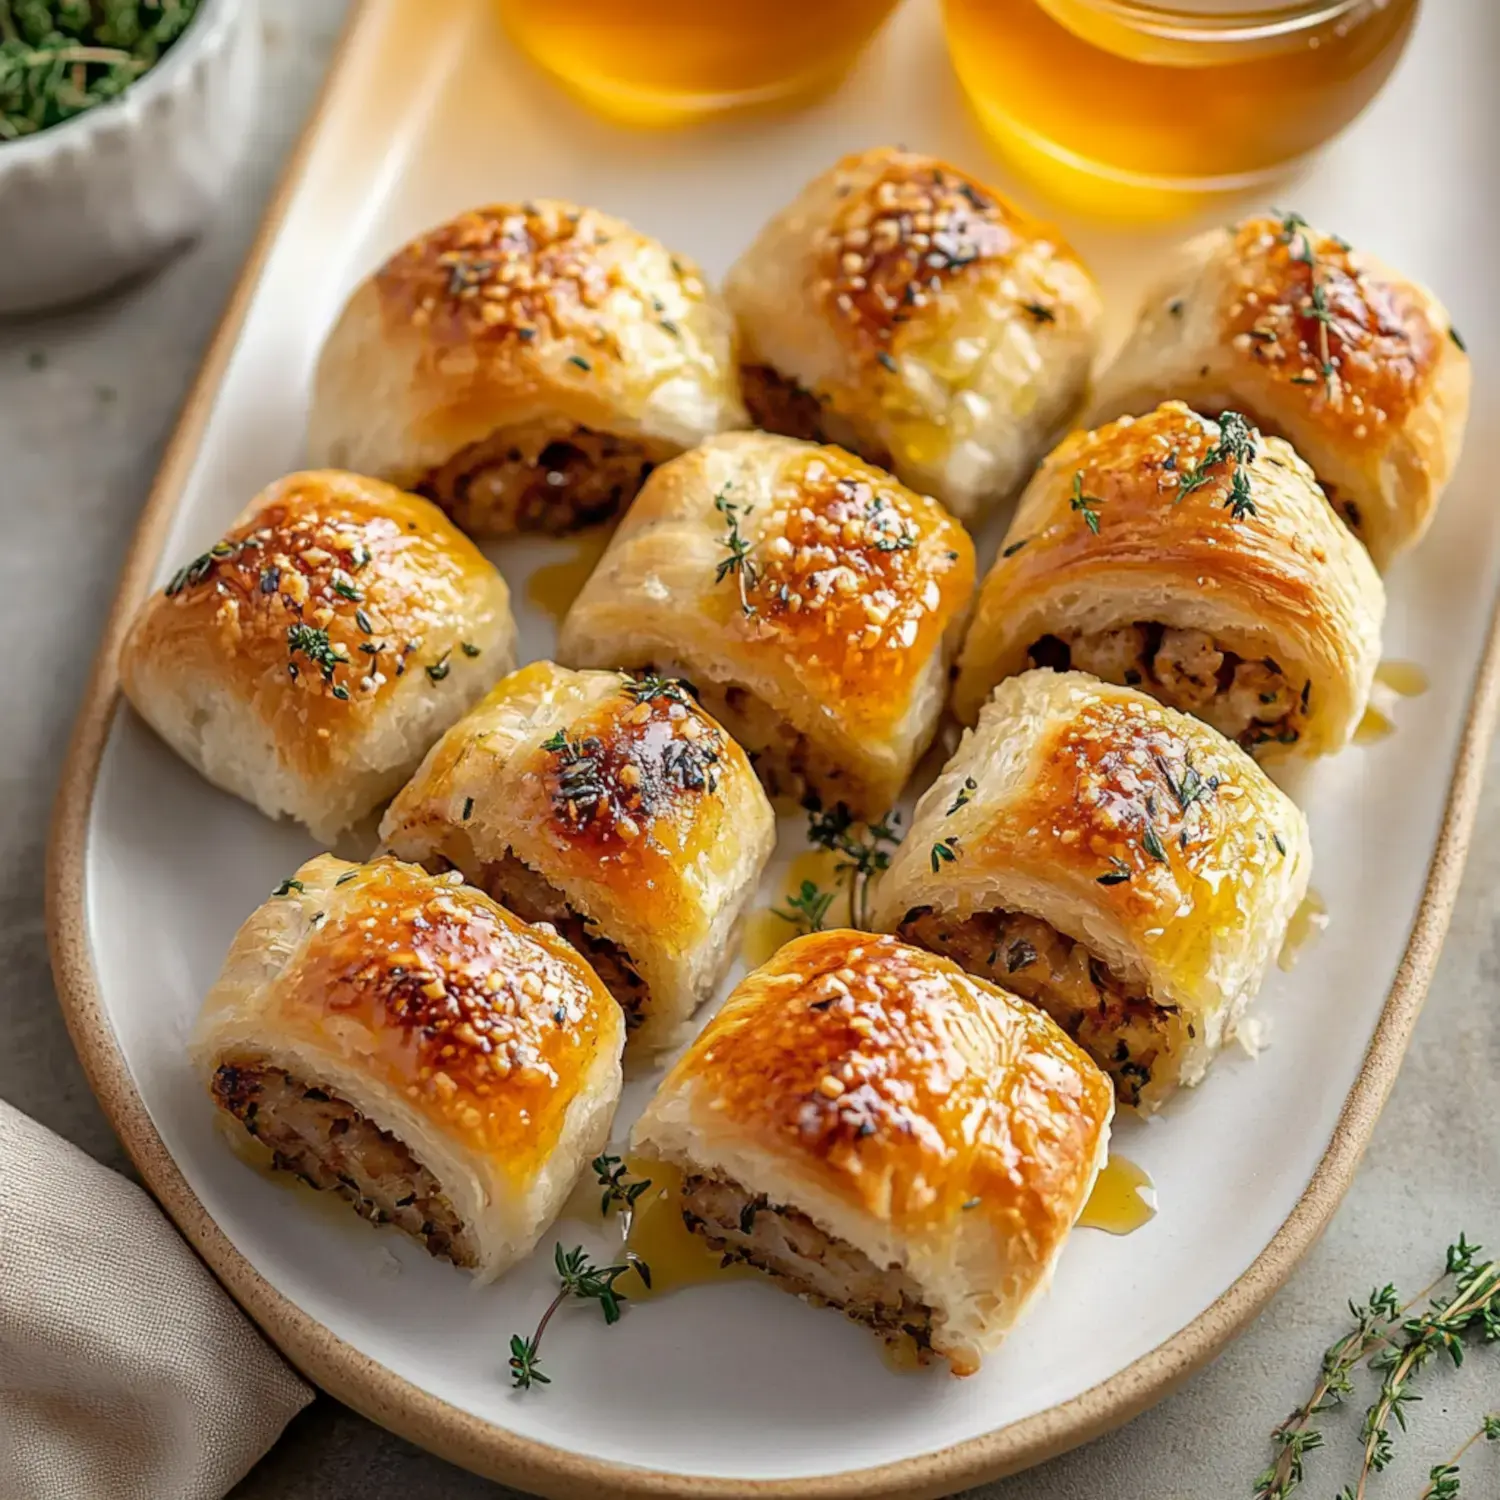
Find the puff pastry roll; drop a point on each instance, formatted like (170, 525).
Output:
(396, 1038)
(879, 1132)
(1197, 560)
(813, 602)
(308, 660)
(614, 809)
(1358, 368)
(525, 365)
(899, 307)
(1117, 863)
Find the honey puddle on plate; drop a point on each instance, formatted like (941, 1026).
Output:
(554, 586)
(1124, 1198)
(1308, 922)
(765, 931)
(1393, 679)
(675, 1255)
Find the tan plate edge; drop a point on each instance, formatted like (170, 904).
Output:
(370, 1388)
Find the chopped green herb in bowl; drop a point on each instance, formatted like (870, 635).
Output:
(59, 58)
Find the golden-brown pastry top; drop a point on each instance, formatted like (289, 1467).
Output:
(487, 1025)
(328, 590)
(1308, 313)
(810, 569)
(905, 310)
(623, 786)
(542, 315)
(908, 233)
(903, 1086)
(1180, 520)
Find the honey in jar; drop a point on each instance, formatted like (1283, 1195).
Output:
(660, 62)
(1139, 109)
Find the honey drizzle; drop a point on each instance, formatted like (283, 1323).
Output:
(1123, 1199)
(554, 586)
(1405, 678)
(765, 931)
(655, 1232)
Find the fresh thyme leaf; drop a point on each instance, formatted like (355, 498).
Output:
(1039, 313)
(439, 669)
(468, 808)
(945, 851)
(649, 687)
(1118, 871)
(555, 741)
(287, 887)
(1151, 842)
(526, 1371)
(1457, 338)
(579, 361)
(1020, 955)
(346, 590)
(1015, 547)
(738, 562)
(808, 908)
(468, 648)
(1086, 504)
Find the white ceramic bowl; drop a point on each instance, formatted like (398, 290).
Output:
(114, 190)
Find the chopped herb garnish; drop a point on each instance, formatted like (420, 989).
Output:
(1276, 839)
(579, 361)
(1039, 313)
(738, 562)
(468, 648)
(287, 887)
(313, 643)
(1118, 871)
(1152, 844)
(1086, 504)
(1020, 955)
(886, 362)
(346, 877)
(270, 579)
(468, 808)
(808, 908)
(1457, 338)
(1236, 443)
(945, 851)
(648, 688)
(1015, 547)
(439, 669)
(346, 590)
(965, 792)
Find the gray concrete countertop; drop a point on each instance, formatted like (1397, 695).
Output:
(87, 399)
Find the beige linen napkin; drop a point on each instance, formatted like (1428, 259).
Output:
(126, 1372)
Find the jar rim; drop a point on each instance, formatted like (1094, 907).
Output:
(1245, 21)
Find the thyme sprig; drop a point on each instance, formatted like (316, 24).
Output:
(648, 687)
(1086, 505)
(738, 561)
(580, 1278)
(1237, 443)
(864, 850)
(1398, 1347)
(619, 1186)
(59, 58)
(808, 909)
(1296, 235)
(1442, 1479)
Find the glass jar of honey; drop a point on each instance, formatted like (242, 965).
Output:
(1138, 108)
(662, 62)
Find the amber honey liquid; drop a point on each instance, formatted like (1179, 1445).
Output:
(660, 62)
(1144, 109)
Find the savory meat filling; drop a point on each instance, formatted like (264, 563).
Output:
(777, 403)
(1251, 701)
(331, 1146)
(1125, 1033)
(519, 889)
(788, 1246)
(530, 479)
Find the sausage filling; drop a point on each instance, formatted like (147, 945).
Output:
(1128, 1034)
(331, 1146)
(787, 1245)
(777, 403)
(532, 479)
(519, 889)
(1251, 701)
